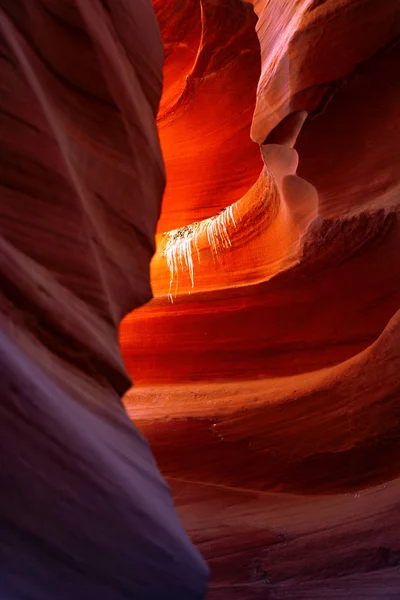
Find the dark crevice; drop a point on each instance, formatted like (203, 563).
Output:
(287, 130)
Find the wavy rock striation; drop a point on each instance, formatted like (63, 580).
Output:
(266, 366)
(84, 512)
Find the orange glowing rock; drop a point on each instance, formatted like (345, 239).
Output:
(268, 359)
(266, 367)
(211, 74)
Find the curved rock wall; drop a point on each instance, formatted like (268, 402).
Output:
(84, 512)
(267, 364)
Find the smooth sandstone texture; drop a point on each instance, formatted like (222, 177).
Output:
(84, 512)
(207, 105)
(267, 365)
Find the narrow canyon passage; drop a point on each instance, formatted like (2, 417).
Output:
(199, 198)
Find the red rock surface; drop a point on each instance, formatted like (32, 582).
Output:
(267, 365)
(201, 129)
(84, 512)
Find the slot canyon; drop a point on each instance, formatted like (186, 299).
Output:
(200, 198)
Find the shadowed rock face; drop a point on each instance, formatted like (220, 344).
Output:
(84, 512)
(267, 365)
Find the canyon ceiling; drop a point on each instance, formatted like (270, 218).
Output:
(231, 171)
